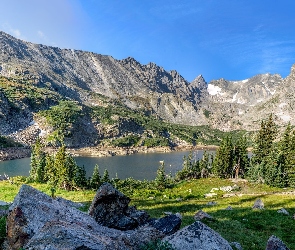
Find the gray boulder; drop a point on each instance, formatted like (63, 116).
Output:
(200, 215)
(274, 243)
(283, 211)
(197, 236)
(110, 208)
(167, 225)
(258, 204)
(36, 221)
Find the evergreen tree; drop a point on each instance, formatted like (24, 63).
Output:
(105, 177)
(241, 158)
(95, 180)
(160, 179)
(61, 164)
(264, 140)
(287, 151)
(50, 171)
(80, 178)
(223, 162)
(37, 172)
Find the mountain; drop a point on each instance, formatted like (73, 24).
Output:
(35, 78)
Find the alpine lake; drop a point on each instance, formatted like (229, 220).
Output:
(138, 166)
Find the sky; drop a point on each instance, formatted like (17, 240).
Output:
(230, 39)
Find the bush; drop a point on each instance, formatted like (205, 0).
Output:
(127, 141)
(154, 142)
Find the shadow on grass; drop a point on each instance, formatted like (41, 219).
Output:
(250, 227)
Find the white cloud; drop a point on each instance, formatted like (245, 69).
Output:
(41, 34)
(14, 32)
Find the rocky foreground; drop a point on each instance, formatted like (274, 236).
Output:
(38, 221)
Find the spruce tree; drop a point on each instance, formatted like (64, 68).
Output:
(160, 179)
(223, 162)
(264, 140)
(80, 178)
(95, 180)
(105, 177)
(37, 172)
(241, 158)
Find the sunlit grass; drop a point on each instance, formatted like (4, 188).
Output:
(251, 228)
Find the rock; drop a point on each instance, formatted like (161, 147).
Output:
(211, 203)
(69, 203)
(229, 208)
(179, 215)
(35, 219)
(200, 215)
(55, 234)
(110, 208)
(229, 188)
(214, 189)
(274, 243)
(3, 203)
(210, 195)
(167, 225)
(197, 236)
(258, 204)
(236, 245)
(283, 211)
(3, 212)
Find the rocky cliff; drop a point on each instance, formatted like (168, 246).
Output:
(35, 77)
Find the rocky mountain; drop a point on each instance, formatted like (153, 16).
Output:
(35, 77)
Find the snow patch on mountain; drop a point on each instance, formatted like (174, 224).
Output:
(214, 90)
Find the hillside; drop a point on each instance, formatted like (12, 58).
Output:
(115, 99)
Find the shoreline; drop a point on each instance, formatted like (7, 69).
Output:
(7, 154)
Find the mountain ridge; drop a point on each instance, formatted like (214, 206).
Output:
(90, 78)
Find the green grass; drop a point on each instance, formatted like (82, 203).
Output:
(251, 228)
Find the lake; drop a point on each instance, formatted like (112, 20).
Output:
(138, 166)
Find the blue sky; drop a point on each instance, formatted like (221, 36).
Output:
(231, 39)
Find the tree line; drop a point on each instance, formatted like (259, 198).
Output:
(273, 163)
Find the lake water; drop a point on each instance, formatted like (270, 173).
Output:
(138, 166)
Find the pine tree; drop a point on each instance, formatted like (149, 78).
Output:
(160, 179)
(37, 172)
(287, 150)
(223, 162)
(241, 158)
(61, 167)
(50, 171)
(95, 180)
(264, 140)
(80, 178)
(105, 177)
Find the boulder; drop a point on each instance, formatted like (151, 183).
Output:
(229, 208)
(274, 243)
(200, 215)
(211, 203)
(167, 225)
(283, 211)
(3, 212)
(110, 208)
(35, 219)
(3, 203)
(236, 245)
(258, 204)
(197, 236)
(69, 203)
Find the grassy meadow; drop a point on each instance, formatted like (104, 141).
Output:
(251, 228)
